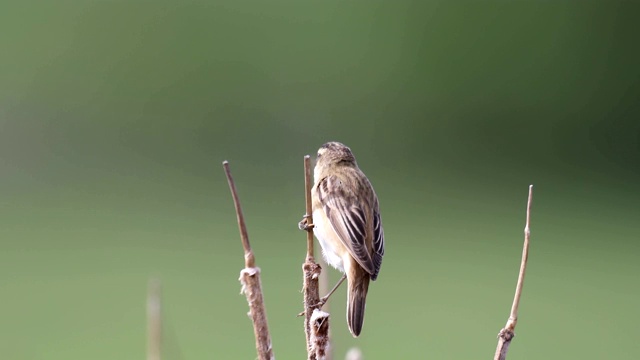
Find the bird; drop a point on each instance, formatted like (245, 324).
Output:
(347, 224)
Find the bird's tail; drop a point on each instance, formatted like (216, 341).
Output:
(356, 301)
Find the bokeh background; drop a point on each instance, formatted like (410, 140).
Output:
(115, 117)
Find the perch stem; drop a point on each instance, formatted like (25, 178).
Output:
(508, 332)
(250, 281)
(311, 272)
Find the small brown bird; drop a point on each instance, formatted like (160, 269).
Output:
(347, 224)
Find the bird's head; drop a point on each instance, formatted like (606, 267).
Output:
(335, 154)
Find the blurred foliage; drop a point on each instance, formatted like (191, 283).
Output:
(115, 117)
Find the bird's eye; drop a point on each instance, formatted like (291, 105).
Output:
(319, 154)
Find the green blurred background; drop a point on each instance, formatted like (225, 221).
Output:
(115, 117)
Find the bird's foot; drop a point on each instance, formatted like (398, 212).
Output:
(323, 300)
(319, 305)
(304, 223)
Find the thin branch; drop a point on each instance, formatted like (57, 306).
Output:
(513, 318)
(249, 259)
(507, 333)
(311, 271)
(250, 280)
(154, 320)
(308, 184)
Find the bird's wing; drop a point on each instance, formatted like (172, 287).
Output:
(348, 219)
(378, 242)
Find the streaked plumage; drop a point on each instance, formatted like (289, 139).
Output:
(347, 224)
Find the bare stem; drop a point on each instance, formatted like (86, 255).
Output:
(154, 320)
(508, 332)
(308, 184)
(249, 259)
(311, 271)
(513, 318)
(250, 280)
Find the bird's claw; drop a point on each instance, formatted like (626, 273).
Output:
(323, 300)
(304, 225)
(319, 305)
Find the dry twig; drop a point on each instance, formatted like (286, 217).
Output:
(250, 280)
(311, 271)
(507, 333)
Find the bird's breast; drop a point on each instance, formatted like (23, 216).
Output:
(332, 248)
